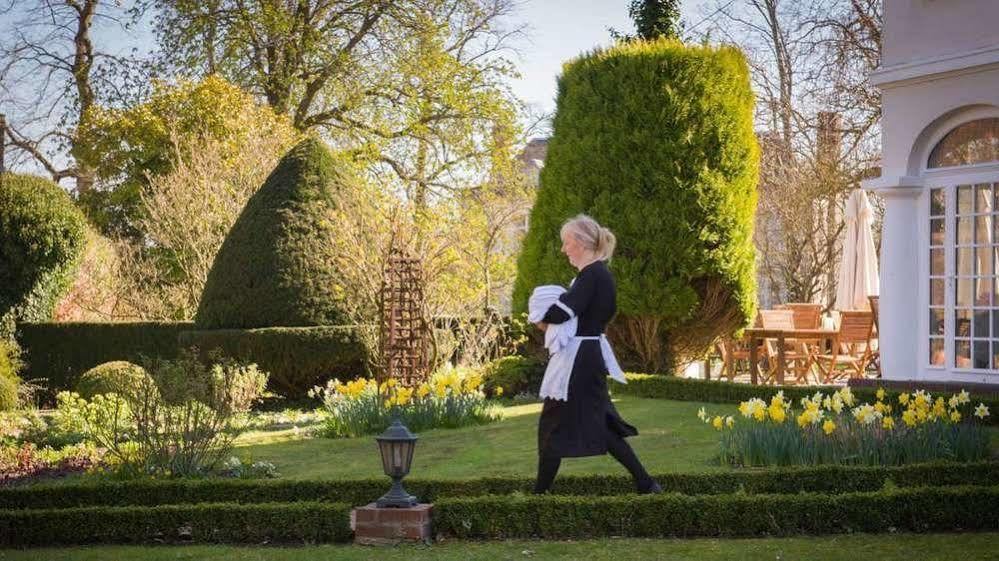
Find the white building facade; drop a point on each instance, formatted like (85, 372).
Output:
(939, 78)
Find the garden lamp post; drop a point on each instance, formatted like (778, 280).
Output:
(396, 446)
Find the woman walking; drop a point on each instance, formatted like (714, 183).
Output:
(578, 418)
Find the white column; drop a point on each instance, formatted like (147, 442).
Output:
(899, 306)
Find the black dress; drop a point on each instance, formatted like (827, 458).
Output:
(581, 425)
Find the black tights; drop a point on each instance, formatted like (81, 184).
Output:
(616, 447)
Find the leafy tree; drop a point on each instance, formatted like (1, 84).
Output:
(129, 147)
(416, 86)
(653, 19)
(656, 18)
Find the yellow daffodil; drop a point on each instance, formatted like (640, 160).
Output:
(880, 393)
(776, 412)
(909, 417)
(953, 402)
(964, 397)
(888, 423)
(903, 398)
(702, 414)
(499, 391)
(829, 426)
(729, 421)
(981, 411)
(717, 423)
(955, 417)
(423, 391)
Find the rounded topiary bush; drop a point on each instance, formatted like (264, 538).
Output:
(515, 374)
(655, 140)
(42, 237)
(119, 376)
(275, 268)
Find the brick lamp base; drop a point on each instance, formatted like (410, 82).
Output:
(389, 526)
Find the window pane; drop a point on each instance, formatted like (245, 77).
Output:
(965, 231)
(995, 323)
(995, 352)
(937, 262)
(937, 357)
(964, 292)
(937, 292)
(982, 354)
(965, 261)
(962, 323)
(936, 202)
(964, 195)
(981, 324)
(983, 261)
(962, 354)
(983, 197)
(983, 292)
(975, 142)
(937, 231)
(983, 230)
(936, 321)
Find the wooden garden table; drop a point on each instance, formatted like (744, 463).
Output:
(755, 335)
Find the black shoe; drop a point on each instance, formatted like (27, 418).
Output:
(653, 488)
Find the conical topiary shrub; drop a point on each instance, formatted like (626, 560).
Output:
(275, 267)
(655, 140)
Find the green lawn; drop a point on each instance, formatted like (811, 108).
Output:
(671, 439)
(943, 547)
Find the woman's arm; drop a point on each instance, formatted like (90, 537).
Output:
(577, 299)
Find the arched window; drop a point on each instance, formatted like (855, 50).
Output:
(974, 142)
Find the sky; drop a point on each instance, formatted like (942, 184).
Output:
(559, 30)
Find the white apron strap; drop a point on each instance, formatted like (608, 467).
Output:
(613, 368)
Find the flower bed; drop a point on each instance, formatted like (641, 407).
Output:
(836, 428)
(451, 398)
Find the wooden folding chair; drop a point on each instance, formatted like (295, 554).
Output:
(851, 350)
(875, 363)
(797, 358)
(735, 357)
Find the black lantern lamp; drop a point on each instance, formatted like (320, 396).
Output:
(396, 445)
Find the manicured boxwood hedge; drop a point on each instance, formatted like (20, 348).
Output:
(62, 352)
(922, 509)
(822, 479)
(291, 523)
(297, 358)
(712, 391)
(926, 509)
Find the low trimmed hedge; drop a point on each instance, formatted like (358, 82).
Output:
(925, 509)
(62, 352)
(291, 523)
(822, 479)
(689, 389)
(297, 358)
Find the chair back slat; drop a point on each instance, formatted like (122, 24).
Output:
(855, 326)
(806, 315)
(777, 319)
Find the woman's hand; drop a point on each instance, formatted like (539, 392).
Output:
(542, 325)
